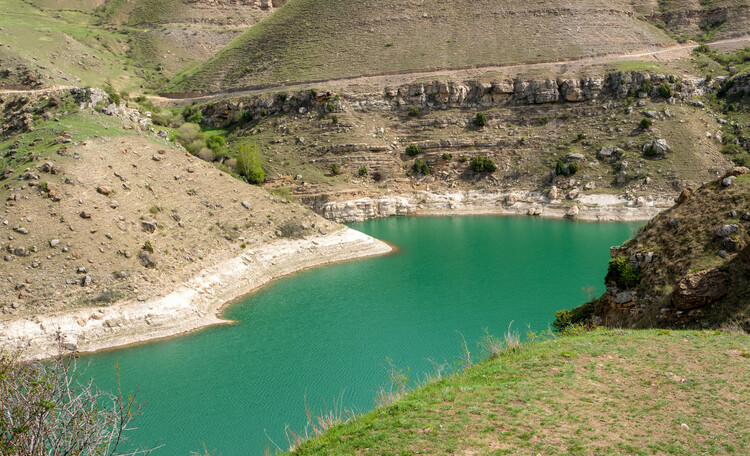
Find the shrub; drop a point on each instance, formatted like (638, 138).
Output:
(672, 79)
(248, 163)
(480, 120)
(565, 319)
(732, 149)
(561, 169)
(480, 163)
(646, 123)
(412, 150)
(665, 90)
(216, 142)
(447, 156)
(421, 167)
(622, 272)
(413, 111)
(649, 152)
(646, 86)
(335, 119)
(574, 167)
(463, 159)
(581, 136)
(48, 408)
(206, 154)
(335, 169)
(195, 146)
(330, 106)
(193, 114)
(188, 133)
(362, 171)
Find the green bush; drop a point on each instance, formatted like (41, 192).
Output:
(480, 120)
(412, 150)
(574, 167)
(413, 111)
(362, 170)
(622, 272)
(649, 152)
(216, 142)
(335, 169)
(447, 156)
(192, 114)
(732, 149)
(330, 106)
(646, 86)
(248, 163)
(421, 167)
(561, 169)
(581, 136)
(480, 164)
(565, 319)
(665, 90)
(646, 123)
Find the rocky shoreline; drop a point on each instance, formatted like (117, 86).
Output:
(189, 306)
(593, 207)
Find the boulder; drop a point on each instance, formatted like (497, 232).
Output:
(657, 148)
(609, 153)
(727, 230)
(683, 196)
(553, 193)
(700, 289)
(572, 212)
(727, 181)
(104, 190)
(149, 227)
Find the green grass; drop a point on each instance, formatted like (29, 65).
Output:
(365, 37)
(601, 392)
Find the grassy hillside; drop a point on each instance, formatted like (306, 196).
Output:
(314, 39)
(601, 392)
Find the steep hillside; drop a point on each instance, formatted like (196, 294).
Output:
(604, 392)
(688, 267)
(309, 40)
(96, 214)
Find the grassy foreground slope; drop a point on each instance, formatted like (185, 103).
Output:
(601, 392)
(320, 39)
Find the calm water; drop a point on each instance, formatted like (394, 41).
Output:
(328, 331)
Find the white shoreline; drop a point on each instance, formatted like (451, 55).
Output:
(191, 305)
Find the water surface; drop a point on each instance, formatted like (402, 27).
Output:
(326, 333)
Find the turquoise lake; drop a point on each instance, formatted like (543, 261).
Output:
(326, 333)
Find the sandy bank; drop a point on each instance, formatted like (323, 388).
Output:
(191, 305)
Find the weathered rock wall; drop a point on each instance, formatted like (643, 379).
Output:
(453, 95)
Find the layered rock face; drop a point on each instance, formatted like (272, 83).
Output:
(456, 95)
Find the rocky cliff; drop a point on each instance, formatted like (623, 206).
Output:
(688, 267)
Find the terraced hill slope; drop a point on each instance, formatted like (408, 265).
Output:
(309, 39)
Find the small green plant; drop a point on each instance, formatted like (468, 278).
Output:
(421, 167)
(649, 152)
(248, 163)
(335, 119)
(480, 164)
(561, 169)
(330, 106)
(463, 159)
(362, 171)
(412, 150)
(665, 90)
(480, 120)
(646, 123)
(581, 136)
(154, 209)
(313, 92)
(447, 156)
(413, 111)
(216, 142)
(148, 247)
(44, 187)
(646, 86)
(622, 272)
(335, 169)
(574, 167)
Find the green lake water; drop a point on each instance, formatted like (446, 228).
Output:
(326, 333)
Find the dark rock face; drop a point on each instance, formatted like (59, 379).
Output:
(700, 289)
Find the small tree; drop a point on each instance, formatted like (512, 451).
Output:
(561, 169)
(47, 410)
(248, 164)
(216, 142)
(646, 123)
(665, 90)
(412, 150)
(362, 170)
(480, 120)
(574, 167)
(335, 169)
(480, 164)
(413, 111)
(421, 167)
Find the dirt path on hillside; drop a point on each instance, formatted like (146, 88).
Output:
(509, 70)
